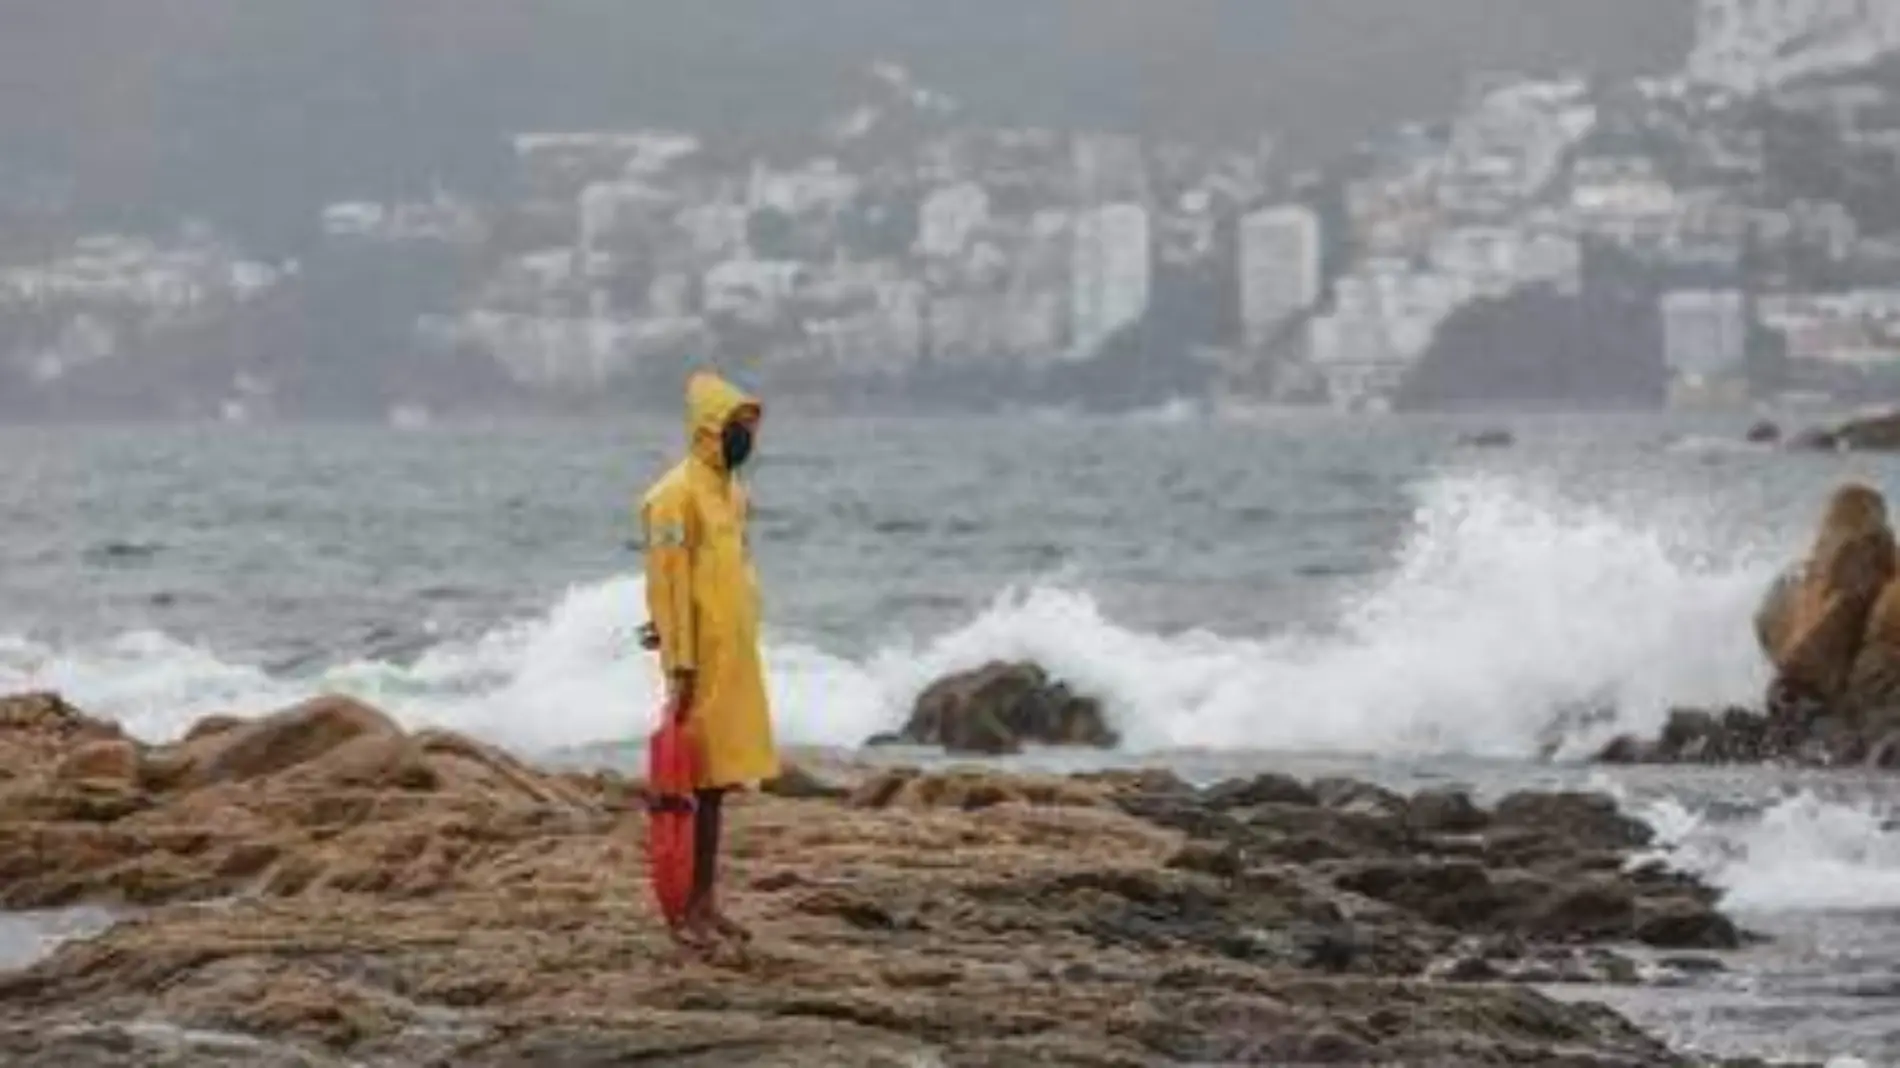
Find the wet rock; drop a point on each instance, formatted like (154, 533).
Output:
(1628, 749)
(1872, 700)
(1597, 909)
(1351, 795)
(1884, 752)
(1830, 627)
(1852, 561)
(1687, 925)
(1878, 433)
(1267, 789)
(1585, 819)
(1450, 892)
(999, 708)
(1220, 859)
(1764, 432)
(1774, 618)
(1467, 970)
(1445, 811)
(455, 906)
(1816, 439)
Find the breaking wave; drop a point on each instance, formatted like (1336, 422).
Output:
(1508, 622)
(1802, 854)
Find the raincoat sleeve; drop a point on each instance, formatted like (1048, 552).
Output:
(669, 565)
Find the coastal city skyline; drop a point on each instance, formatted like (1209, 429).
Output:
(1732, 210)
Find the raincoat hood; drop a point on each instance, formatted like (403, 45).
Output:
(711, 403)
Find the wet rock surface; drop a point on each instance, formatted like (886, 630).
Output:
(1873, 433)
(1829, 625)
(323, 888)
(999, 708)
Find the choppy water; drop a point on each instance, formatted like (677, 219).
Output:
(1367, 597)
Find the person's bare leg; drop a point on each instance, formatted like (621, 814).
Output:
(704, 910)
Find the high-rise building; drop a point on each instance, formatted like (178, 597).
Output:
(1109, 274)
(1279, 269)
(1705, 333)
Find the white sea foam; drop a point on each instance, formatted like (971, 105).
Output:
(1803, 854)
(1502, 609)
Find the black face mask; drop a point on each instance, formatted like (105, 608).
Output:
(735, 445)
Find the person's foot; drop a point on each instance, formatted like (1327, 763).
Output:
(691, 939)
(712, 922)
(727, 927)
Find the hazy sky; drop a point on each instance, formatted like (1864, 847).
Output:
(170, 100)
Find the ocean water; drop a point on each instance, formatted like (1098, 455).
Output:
(1305, 592)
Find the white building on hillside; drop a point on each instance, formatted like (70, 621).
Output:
(1751, 45)
(948, 218)
(1279, 268)
(1110, 271)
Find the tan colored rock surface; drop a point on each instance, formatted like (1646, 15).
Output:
(329, 890)
(1852, 561)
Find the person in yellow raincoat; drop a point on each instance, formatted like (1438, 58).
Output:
(703, 605)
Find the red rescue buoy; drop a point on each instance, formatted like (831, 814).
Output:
(672, 769)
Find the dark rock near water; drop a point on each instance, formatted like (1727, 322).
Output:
(1816, 439)
(999, 708)
(1351, 795)
(1495, 438)
(1687, 924)
(1695, 736)
(1877, 433)
(1446, 811)
(1764, 433)
(1267, 789)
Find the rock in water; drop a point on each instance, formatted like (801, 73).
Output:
(1764, 433)
(998, 708)
(1774, 617)
(1852, 561)
(1873, 685)
(1816, 439)
(1879, 433)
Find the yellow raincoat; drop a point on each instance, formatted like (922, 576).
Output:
(703, 594)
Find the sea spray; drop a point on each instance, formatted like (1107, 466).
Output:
(1804, 853)
(1503, 610)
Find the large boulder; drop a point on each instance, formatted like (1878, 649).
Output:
(1873, 684)
(999, 708)
(1852, 561)
(331, 794)
(283, 740)
(1774, 616)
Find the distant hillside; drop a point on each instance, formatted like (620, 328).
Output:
(131, 111)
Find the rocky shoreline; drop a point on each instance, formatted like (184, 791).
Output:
(321, 888)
